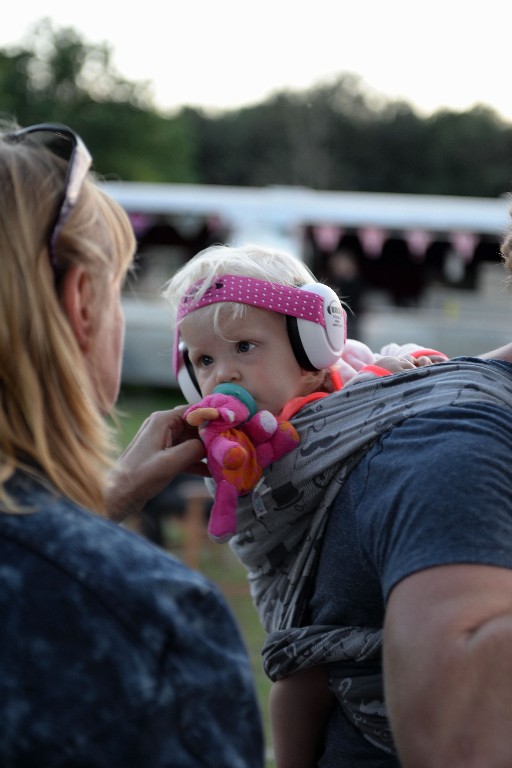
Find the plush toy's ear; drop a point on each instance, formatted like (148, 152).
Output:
(197, 416)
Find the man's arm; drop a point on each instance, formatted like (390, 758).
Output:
(502, 353)
(448, 667)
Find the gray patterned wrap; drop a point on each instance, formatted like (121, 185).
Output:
(280, 526)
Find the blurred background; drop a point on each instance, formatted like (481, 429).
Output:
(373, 141)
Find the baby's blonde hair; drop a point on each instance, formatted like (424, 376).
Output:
(267, 264)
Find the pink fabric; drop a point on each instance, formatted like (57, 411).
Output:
(283, 299)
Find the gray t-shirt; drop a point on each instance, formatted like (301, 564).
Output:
(434, 490)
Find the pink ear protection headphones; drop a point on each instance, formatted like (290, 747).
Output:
(315, 319)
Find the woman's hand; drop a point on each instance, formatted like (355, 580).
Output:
(163, 447)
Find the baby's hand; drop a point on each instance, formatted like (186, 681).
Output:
(430, 359)
(417, 358)
(406, 362)
(397, 364)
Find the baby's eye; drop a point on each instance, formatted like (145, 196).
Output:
(245, 346)
(205, 360)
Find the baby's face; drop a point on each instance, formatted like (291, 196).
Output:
(253, 352)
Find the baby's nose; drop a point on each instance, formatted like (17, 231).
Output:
(225, 374)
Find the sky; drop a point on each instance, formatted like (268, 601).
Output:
(220, 54)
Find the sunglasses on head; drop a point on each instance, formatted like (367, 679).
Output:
(66, 144)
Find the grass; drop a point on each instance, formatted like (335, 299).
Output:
(216, 561)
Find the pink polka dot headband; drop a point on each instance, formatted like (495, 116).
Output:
(284, 299)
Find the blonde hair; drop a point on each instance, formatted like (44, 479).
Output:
(247, 261)
(50, 422)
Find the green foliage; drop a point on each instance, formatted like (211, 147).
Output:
(132, 144)
(57, 77)
(337, 135)
(468, 152)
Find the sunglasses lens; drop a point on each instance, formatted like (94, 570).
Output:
(58, 144)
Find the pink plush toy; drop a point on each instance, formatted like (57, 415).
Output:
(240, 442)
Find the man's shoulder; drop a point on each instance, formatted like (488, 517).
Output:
(459, 453)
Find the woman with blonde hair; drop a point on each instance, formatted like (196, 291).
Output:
(113, 653)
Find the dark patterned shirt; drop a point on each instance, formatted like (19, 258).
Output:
(113, 653)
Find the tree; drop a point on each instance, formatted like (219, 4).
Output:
(468, 153)
(56, 77)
